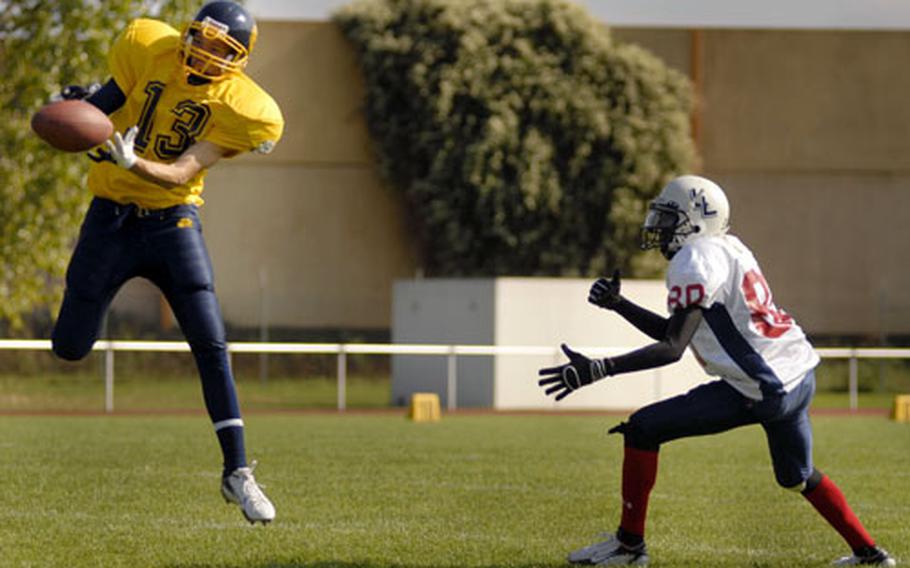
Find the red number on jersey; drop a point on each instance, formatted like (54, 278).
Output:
(768, 320)
(694, 294)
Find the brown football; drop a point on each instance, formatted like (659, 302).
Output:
(72, 126)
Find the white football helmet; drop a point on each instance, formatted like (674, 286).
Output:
(688, 208)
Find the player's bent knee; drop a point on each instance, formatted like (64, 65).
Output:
(635, 435)
(790, 481)
(799, 483)
(69, 351)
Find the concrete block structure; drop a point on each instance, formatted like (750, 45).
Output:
(524, 312)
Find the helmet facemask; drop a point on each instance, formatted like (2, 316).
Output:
(209, 52)
(666, 228)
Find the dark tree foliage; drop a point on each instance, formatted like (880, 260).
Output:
(525, 140)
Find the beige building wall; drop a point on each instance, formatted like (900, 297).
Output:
(311, 222)
(806, 130)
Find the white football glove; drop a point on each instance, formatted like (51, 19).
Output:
(121, 148)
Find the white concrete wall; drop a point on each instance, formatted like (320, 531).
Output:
(524, 312)
(551, 311)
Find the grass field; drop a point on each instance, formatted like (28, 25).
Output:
(146, 391)
(376, 490)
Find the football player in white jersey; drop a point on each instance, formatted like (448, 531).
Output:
(721, 306)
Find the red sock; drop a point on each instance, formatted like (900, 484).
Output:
(639, 471)
(830, 502)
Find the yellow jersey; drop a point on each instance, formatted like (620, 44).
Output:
(172, 114)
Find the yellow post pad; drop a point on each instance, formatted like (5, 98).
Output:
(424, 407)
(901, 412)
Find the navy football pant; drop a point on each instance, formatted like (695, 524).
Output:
(119, 242)
(717, 407)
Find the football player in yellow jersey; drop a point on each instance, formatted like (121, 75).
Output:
(182, 102)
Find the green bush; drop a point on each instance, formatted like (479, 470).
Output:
(525, 140)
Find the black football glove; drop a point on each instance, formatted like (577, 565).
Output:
(605, 293)
(578, 372)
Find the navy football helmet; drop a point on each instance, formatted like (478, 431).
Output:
(219, 40)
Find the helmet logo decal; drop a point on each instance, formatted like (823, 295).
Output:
(209, 21)
(701, 202)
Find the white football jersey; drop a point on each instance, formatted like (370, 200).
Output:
(744, 338)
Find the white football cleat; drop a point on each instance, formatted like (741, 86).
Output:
(240, 487)
(610, 552)
(584, 555)
(872, 556)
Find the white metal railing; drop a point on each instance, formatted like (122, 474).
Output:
(451, 352)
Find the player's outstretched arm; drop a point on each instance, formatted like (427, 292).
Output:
(580, 371)
(680, 328)
(199, 156)
(563, 380)
(108, 97)
(606, 294)
(653, 325)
